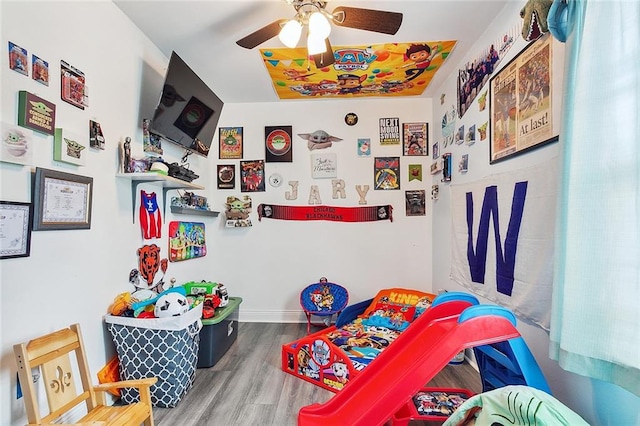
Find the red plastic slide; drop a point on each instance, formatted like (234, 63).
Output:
(399, 372)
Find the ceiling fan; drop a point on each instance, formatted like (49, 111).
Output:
(313, 15)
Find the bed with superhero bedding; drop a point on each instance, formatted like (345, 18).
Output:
(331, 357)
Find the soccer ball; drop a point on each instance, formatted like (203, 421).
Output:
(170, 305)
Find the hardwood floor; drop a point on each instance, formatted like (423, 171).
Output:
(247, 386)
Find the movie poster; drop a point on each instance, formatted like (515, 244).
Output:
(386, 173)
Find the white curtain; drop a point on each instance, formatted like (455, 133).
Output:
(595, 323)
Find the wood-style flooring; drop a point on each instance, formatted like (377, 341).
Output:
(247, 386)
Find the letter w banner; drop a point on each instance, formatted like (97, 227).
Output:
(503, 239)
(316, 212)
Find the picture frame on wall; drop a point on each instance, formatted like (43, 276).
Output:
(230, 147)
(16, 220)
(61, 200)
(521, 103)
(415, 139)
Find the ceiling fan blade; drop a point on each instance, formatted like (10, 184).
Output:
(379, 21)
(324, 59)
(265, 33)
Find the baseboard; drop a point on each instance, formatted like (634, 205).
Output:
(294, 316)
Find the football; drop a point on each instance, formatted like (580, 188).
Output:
(171, 304)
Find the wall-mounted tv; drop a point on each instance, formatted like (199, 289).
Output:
(188, 111)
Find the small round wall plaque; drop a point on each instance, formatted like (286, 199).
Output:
(351, 119)
(275, 180)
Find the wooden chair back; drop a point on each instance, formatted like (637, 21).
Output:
(61, 358)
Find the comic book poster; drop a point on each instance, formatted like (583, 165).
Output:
(389, 70)
(415, 138)
(226, 176)
(278, 141)
(252, 176)
(230, 143)
(415, 202)
(386, 171)
(389, 131)
(18, 59)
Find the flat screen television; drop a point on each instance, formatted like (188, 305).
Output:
(188, 111)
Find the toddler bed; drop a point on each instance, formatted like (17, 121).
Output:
(331, 357)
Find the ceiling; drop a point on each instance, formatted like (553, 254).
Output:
(204, 33)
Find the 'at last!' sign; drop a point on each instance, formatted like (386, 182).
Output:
(390, 69)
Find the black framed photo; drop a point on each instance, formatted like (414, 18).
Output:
(521, 100)
(16, 220)
(61, 200)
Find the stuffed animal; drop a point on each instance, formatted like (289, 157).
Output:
(535, 14)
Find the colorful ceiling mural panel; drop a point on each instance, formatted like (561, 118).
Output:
(390, 69)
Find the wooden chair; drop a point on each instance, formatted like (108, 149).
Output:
(51, 354)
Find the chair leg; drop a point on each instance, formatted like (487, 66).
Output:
(308, 322)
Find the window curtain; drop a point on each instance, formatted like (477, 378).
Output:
(595, 321)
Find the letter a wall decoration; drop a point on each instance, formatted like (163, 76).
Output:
(502, 249)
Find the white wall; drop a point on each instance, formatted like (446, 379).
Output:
(588, 398)
(73, 276)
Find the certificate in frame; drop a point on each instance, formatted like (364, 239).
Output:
(15, 229)
(61, 200)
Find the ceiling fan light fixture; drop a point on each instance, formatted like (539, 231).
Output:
(290, 33)
(319, 25)
(315, 44)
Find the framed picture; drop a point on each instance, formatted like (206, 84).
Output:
(15, 229)
(252, 176)
(230, 143)
(415, 138)
(520, 103)
(61, 200)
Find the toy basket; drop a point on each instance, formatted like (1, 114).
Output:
(166, 348)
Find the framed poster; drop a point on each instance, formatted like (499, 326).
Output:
(386, 173)
(230, 143)
(278, 141)
(226, 176)
(61, 200)
(520, 102)
(15, 229)
(252, 176)
(415, 138)
(389, 131)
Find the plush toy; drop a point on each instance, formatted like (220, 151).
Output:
(121, 303)
(535, 14)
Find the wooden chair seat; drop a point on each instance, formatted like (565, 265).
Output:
(53, 355)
